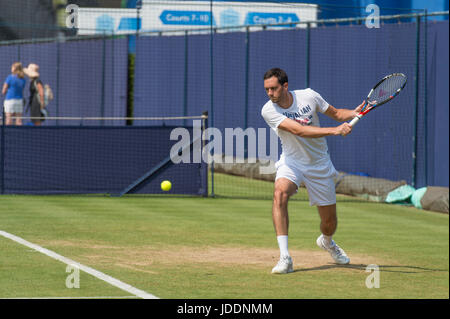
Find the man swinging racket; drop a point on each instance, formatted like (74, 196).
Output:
(304, 159)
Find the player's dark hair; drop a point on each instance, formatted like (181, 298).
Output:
(278, 73)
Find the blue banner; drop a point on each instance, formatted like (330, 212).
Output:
(270, 18)
(176, 17)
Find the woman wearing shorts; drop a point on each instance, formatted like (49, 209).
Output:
(13, 89)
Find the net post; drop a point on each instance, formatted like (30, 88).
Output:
(206, 123)
(205, 171)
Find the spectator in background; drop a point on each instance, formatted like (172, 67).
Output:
(13, 89)
(36, 93)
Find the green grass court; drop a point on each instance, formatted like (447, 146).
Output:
(186, 248)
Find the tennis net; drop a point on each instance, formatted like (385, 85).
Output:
(101, 158)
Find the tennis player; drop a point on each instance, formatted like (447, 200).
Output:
(304, 159)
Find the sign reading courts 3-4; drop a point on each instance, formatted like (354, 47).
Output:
(172, 15)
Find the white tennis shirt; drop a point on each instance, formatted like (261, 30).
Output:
(305, 151)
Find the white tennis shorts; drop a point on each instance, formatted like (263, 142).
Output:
(13, 106)
(319, 180)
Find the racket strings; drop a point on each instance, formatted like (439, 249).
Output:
(387, 89)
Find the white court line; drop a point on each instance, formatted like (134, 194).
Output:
(96, 297)
(110, 280)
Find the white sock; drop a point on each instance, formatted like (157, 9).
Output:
(283, 244)
(327, 240)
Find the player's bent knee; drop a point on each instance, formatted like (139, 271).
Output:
(280, 196)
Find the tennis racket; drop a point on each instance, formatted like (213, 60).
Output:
(384, 91)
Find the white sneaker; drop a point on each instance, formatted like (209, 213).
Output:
(338, 254)
(284, 266)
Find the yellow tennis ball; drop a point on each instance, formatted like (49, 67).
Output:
(166, 186)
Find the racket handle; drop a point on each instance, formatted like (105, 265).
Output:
(354, 121)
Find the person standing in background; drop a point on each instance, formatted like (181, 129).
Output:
(13, 91)
(36, 102)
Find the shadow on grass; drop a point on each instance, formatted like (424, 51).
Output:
(405, 269)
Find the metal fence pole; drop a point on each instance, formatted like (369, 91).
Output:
(186, 70)
(102, 106)
(247, 61)
(2, 154)
(211, 117)
(416, 105)
(113, 71)
(58, 62)
(425, 93)
(308, 49)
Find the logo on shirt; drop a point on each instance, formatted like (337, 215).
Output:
(301, 116)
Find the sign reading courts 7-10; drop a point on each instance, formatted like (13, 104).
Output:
(180, 15)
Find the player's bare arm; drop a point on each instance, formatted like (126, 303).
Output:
(313, 131)
(341, 115)
(4, 89)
